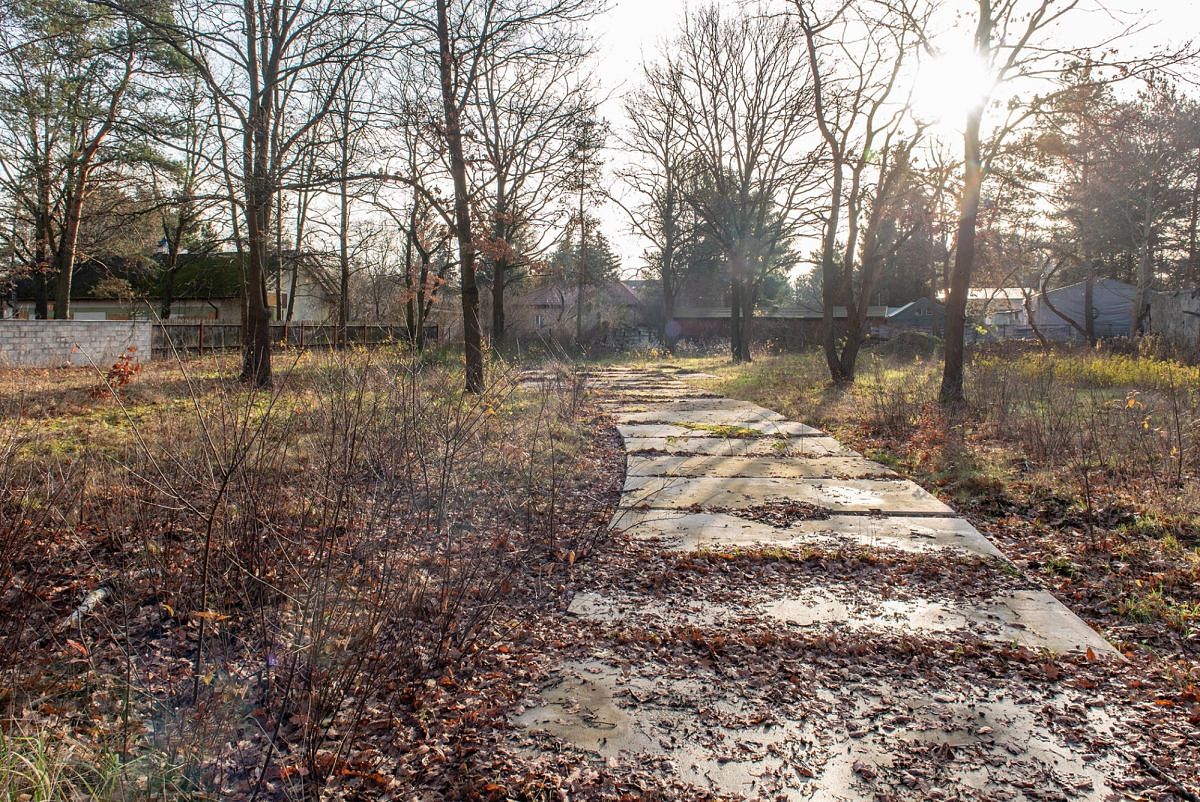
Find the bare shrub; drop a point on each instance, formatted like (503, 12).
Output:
(897, 395)
(319, 553)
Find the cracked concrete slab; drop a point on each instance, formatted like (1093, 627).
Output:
(852, 741)
(691, 531)
(896, 497)
(743, 430)
(815, 446)
(848, 467)
(717, 412)
(1030, 618)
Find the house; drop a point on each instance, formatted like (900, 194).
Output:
(922, 314)
(317, 283)
(993, 307)
(204, 287)
(548, 311)
(1058, 314)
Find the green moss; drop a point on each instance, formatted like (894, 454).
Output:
(721, 429)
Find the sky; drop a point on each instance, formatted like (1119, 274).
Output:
(633, 29)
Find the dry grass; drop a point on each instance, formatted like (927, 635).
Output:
(274, 573)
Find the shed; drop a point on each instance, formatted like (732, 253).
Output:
(1060, 314)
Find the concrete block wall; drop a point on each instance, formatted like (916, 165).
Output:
(55, 343)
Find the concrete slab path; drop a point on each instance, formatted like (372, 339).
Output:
(795, 621)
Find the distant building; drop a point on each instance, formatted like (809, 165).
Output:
(205, 287)
(794, 326)
(922, 314)
(548, 311)
(996, 306)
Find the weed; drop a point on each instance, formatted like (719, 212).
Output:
(1061, 566)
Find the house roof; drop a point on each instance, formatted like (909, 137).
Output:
(559, 293)
(991, 294)
(894, 311)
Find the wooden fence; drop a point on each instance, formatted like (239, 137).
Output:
(203, 337)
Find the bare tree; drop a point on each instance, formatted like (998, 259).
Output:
(347, 129)
(1014, 41)
(525, 114)
(857, 55)
(742, 85)
(273, 69)
(183, 191)
(460, 41)
(585, 167)
(660, 215)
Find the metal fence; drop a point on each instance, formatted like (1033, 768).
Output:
(203, 337)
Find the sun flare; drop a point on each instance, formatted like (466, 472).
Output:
(948, 85)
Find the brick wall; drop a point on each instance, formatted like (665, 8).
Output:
(53, 343)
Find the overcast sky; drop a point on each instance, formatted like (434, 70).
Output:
(632, 29)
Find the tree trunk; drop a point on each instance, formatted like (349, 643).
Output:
(952, 390)
(1145, 273)
(344, 227)
(1193, 219)
(41, 301)
(67, 244)
(499, 271)
(735, 318)
(41, 254)
(745, 321)
(168, 287)
(293, 281)
(344, 249)
(668, 329)
(830, 280)
(855, 328)
(472, 338)
(582, 269)
(256, 335)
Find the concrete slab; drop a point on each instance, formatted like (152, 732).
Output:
(691, 531)
(814, 446)
(753, 429)
(708, 739)
(854, 740)
(837, 495)
(730, 415)
(1030, 618)
(848, 467)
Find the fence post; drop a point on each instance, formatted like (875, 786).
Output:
(201, 340)
(302, 336)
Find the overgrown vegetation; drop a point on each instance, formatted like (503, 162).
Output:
(208, 591)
